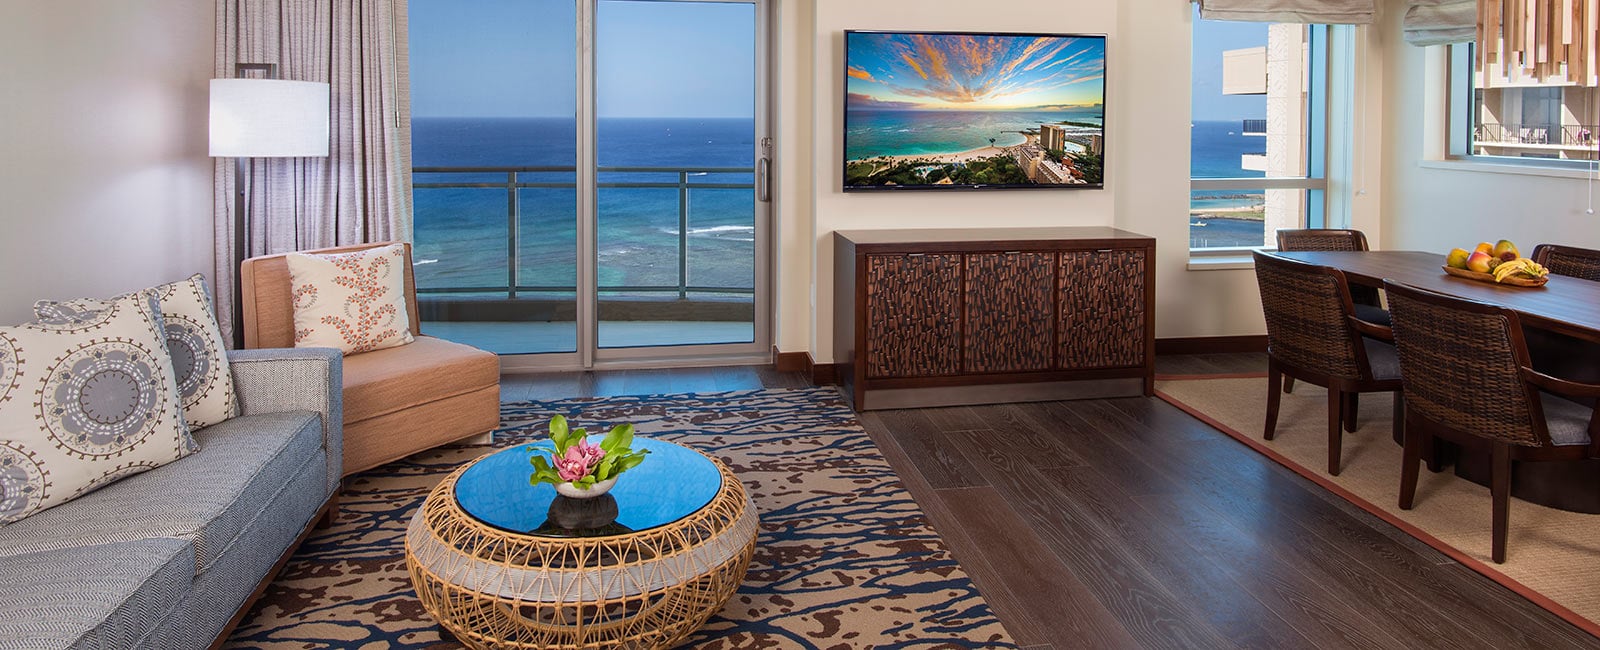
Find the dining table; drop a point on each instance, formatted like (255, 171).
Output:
(1566, 307)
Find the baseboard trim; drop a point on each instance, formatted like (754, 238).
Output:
(1212, 344)
(791, 361)
(821, 374)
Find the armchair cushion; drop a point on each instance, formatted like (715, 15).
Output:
(386, 381)
(1567, 421)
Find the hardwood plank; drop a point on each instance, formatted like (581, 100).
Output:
(744, 378)
(933, 453)
(1059, 607)
(1009, 427)
(1129, 471)
(1150, 613)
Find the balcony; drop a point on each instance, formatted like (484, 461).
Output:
(1576, 141)
(1253, 127)
(497, 255)
(1254, 162)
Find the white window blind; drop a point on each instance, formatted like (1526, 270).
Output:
(1327, 12)
(1437, 22)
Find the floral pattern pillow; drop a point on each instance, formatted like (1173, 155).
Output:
(85, 402)
(194, 340)
(352, 301)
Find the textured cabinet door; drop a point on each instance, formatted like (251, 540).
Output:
(913, 315)
(1100, 314)
(1010, 326)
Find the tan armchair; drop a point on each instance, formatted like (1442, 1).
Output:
(397, 401)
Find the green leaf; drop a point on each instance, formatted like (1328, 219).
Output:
(558, 426)
(604, 470)
(629, 462)
(584, 483)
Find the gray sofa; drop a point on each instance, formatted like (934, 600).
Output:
(171, 557)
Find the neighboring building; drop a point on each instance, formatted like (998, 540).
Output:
(1281, 72)
(1051, 172)
(1052, 136)
(1028, 157)
(1527, 118)
(1096, 144)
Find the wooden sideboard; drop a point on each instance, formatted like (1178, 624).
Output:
(931, 317)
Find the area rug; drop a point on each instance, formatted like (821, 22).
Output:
(1553, 556)
(844, 558)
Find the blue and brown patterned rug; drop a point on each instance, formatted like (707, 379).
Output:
(845, 557)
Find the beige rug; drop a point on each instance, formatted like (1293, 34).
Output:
(1553, 557)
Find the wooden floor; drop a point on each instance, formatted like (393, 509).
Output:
(1125, 523)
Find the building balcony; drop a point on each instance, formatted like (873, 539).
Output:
(1254, 162)
(1253, 127)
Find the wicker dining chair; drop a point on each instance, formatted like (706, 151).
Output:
(1467, 379)
(1570, 261)
(1313, 335)
(1368, 307)
(1558, 354)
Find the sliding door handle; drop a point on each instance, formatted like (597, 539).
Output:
(764, 180)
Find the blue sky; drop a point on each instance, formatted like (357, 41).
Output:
(1211, 39)
(970, 72)
(516, 58)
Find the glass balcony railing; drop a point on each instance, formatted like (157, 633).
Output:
(504, 231)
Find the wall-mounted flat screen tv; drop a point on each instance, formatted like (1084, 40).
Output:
(961, 110)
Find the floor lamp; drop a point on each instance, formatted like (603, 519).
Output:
(262, 118)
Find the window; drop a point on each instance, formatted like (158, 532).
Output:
(1258, 138)
(1526, 119)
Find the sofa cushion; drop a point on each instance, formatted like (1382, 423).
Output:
(207, 499)
(429, 369)
(84, 403)
(199, 355)
(100, 596)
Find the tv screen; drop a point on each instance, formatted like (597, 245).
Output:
(958, 110)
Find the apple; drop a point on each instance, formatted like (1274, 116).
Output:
(1479, 261)
(1506, 251)
(1457, 258)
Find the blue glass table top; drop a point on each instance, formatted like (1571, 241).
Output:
(673, 482)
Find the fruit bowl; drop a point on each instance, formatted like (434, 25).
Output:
(1514, 280)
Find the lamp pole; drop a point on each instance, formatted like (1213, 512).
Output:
(241, 224)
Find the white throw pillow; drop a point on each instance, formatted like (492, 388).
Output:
(352, 301)
(84, 403)
(194, 340)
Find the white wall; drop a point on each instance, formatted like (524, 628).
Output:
(103, 167)
(1436, 209)
(1148, 150)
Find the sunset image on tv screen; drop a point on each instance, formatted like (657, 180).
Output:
(949, 111)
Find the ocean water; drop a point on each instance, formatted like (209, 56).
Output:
(1216, 150)
(873, 133)
(462, 233)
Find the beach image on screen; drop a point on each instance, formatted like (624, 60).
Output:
(933, 111)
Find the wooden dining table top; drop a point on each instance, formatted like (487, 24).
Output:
(1567, 305)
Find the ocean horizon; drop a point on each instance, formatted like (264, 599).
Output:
(461, 234)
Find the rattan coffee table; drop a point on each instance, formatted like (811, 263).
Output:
(502, 564)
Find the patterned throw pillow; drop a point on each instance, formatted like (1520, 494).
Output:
(199, 357)
(352, 301)
(84, 403)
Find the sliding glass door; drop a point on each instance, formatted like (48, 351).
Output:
(586, 177)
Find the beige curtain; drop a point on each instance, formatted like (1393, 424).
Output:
(362, 191)
(1438, 22)
(1326, 12)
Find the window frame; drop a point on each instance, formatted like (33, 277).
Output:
(1314, 183)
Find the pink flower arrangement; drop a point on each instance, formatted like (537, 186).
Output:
(582, 463)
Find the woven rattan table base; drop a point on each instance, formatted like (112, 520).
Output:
(651, 589)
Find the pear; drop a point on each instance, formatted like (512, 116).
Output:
(1505, 250)
(1457, 258)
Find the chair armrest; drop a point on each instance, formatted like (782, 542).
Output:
(1372, 330)
(1562, 386)
(278, 380)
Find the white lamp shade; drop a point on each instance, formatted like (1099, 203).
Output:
(268, 118)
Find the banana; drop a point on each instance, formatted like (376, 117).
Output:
(1521, 265)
